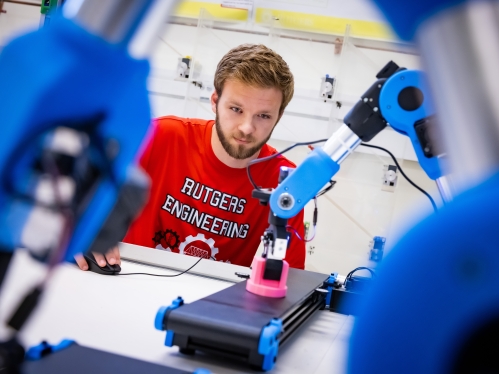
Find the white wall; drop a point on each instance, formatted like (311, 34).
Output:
(357, 208)
(17, 19)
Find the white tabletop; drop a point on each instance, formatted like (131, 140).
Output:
(116, 314)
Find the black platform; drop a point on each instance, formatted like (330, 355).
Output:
(82, 360)
(231, 321)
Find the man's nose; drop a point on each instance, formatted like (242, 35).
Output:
(246, 126)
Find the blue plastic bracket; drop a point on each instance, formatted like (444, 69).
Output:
(43, 349)
(376, 253)
(268, 345)
(405, 17)
(160, 319)
(402, 120)
(169, 338)
(332, 278)
(304, 182)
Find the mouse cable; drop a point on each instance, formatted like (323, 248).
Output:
(164, 275)
(403, 174)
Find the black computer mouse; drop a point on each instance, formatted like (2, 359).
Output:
(105, 270)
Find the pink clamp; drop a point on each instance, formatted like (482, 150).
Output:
(264, 287)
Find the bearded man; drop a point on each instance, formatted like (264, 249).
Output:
(200, 201)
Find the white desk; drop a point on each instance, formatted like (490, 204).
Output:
(116, 314)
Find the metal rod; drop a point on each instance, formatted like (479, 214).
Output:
(133, 24)
(445, 189)
(460, 51)
(342, 143)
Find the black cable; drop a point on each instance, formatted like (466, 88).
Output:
(263, 159)
(349, 275)
(322, 192)
(403, 174)
(373, 274)
(164, 275)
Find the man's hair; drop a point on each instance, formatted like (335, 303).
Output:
(257, 66)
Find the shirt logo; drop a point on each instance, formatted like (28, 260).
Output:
(215, 225)
(167, 240)
(199, 246)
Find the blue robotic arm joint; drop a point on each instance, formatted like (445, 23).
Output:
(399, 98)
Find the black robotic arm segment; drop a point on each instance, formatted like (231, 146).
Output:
(365, 118)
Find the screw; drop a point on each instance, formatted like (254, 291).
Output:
(286, 201)
(375, 109)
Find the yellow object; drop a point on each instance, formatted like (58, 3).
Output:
(289, 20)
(191, 9)
(323, 24)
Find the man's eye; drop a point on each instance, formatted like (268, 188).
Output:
(235, 109)
(264, 116)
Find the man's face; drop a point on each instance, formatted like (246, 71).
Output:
(245, 117)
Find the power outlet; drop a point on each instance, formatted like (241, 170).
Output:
(390, 178)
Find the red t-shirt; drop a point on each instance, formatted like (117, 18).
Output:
(201, 207)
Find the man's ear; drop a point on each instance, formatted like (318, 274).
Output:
(214, 101)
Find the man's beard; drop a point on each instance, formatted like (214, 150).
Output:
(239, 152)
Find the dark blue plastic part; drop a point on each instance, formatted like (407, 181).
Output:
(268, 345)
(160, 318)
(376, 254)
(406, 16)
(429, 298)
(304, 183)
(44, 348)
(160, 315)
(379, 242)
(77, 76)
(169, 338)
(403, 121)
(330, 282)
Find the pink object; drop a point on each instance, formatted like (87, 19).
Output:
(264, 287)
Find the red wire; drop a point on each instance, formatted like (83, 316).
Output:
(288, 227)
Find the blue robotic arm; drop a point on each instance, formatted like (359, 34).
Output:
(399, 98)
(74, 111)
(108, 120)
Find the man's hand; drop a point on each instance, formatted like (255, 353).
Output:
(113, 257)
